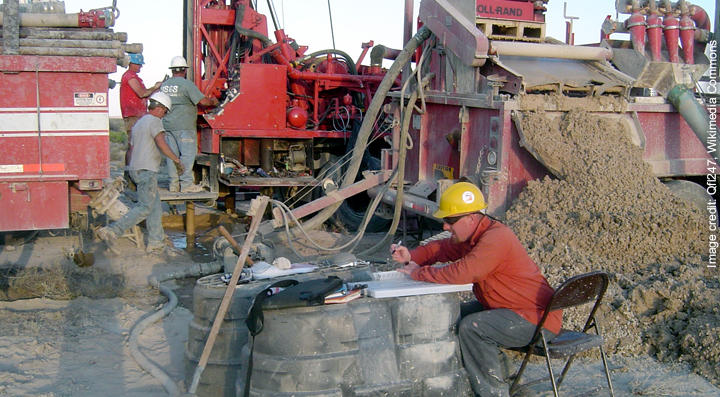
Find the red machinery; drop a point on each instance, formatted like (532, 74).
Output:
(284, 113)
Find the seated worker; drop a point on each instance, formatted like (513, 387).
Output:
(511, 291)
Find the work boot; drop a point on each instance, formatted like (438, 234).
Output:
(193, 189)
(129, 182)
(155, 248)
(109, 237)
(165, 248)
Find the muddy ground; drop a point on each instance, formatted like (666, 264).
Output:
(64, 330)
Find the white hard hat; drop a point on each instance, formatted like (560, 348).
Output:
(163, 98)
(178, 62)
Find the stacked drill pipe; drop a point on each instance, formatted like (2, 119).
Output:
(84, 34)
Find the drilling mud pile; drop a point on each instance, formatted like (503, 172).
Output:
(609, 212)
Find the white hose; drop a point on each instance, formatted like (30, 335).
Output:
(199, 270)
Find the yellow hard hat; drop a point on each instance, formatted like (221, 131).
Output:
(460, 199)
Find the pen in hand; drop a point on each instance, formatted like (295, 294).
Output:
(399, 244)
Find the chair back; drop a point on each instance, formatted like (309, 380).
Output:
(579, 290)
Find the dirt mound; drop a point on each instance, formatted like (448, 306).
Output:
(609, 212)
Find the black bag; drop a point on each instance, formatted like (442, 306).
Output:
(308, 293)
(295, 294)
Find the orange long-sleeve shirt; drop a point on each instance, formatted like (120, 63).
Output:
(502, 273)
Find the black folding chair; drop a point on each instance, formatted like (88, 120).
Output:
(576, 291)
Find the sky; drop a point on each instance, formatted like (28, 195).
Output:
(158, 26)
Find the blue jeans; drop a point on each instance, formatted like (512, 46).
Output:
(148, 208)
(184, 144)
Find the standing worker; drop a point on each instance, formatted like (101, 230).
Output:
(511, 291)
(148, 148)
(133, 102)
(181, 124)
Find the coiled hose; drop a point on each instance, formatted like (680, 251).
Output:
(199, 270)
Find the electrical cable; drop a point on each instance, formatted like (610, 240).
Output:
(285, 211)
(332, 29)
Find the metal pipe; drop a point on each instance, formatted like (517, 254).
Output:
(70, 34)
(407, 35)
(70, 43)
(46, 7)
(50, 20)
(693, 112)
(700, 16)
(380, 52)
(266, 154)
(190, 220)
(510, 48)
(11, 36)
(72, 52)
(414, 204)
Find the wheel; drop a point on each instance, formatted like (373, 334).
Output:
(351, 212)
(18, 238)
(690, 191)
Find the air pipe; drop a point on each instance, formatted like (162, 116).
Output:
(414, 204)
(670, 31)
(654, 32)
(511, 48)
(700, 16)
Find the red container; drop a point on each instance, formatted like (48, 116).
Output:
(53, 137)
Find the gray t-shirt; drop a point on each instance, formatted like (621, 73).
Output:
(145, 153)
(185, 97)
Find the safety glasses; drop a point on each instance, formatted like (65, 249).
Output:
(452, 220)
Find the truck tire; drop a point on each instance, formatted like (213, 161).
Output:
(352, 211)
(690, 191)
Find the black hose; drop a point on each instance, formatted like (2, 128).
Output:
(352, 68)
